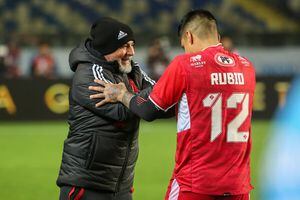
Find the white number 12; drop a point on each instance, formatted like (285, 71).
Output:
(214, 100)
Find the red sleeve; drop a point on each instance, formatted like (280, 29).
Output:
(170, 87)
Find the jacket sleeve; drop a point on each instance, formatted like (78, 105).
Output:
(83, 78)
(147, 82)
(145, 109)
(154, 113)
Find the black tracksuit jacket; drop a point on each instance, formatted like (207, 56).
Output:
(101, 149)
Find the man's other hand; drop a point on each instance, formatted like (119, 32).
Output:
(108, 92)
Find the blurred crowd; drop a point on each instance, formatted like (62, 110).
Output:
(9, 60)
(42, 64)
(266, 22)
(55, 19)
(157, 57)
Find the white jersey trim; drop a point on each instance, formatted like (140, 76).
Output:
(184, 119)
(159, 106)
(174, 192)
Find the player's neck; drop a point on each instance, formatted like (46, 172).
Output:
(201, 45)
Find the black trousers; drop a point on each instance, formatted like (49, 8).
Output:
(77, 193)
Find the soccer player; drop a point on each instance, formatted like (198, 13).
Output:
(212, 90)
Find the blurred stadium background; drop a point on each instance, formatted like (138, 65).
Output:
(36, 37)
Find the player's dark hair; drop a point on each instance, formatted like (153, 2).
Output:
(191, 15)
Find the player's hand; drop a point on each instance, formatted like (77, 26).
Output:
(108, 92)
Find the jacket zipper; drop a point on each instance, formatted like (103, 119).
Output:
(123, 167)
(130, 139)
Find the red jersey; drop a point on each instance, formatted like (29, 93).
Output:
(213, 93)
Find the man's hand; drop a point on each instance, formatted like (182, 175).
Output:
(110, 93)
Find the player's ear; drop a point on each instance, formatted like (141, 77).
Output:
(190, 37)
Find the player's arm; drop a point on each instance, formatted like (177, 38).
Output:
(144, 108)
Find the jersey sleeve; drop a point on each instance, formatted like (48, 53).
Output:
(170, 87)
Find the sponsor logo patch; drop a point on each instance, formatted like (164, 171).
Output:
(195, 61)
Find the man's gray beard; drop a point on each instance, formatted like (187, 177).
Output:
(126, 69)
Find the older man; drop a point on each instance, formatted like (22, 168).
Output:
(101, 149)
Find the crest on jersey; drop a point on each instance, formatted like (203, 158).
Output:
(224, 60)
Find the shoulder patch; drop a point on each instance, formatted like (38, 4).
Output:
(244, 61)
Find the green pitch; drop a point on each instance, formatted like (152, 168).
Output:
(30, 156)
